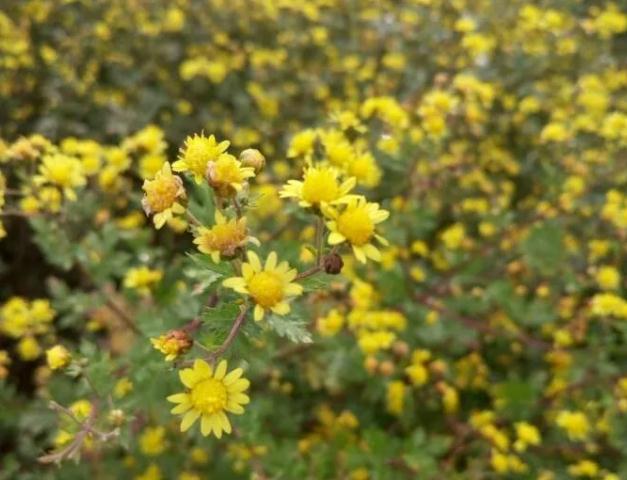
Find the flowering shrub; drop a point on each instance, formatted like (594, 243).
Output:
(325, 239)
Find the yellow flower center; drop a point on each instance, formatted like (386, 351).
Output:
(209, 396)
(161, 193)
(320, 186)
(225, 237)
(266, 288)
(355, 224)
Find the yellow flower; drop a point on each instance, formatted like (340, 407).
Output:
(151, 473)
(453, 236)
(161, 195)
(62, 171)
(527, 435)
(395, 397)
(270, 286)
(209, 396)
(196, 154)
(320, 186)
(58, 357)
(227, 175)
(356, 225)
(575, 423)
(302, 143)
(152, 441)
(330, 324)
(28, 349)
(142, 278)
(608, 278)
(584, 468)
(224, 238)
(173, 344)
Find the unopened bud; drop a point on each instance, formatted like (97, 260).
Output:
(332, 263)
(251, 157)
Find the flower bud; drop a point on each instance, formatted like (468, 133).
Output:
(251, 157)
(332, 263)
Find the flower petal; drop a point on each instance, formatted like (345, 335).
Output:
(188, 378)
(254, 261)
(336, 238)
(177, 398)
(202, 368)
(188, 419)
(271, 261)
(220, 370)
(233, 376)
(258, 316)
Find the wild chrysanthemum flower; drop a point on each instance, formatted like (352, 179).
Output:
(162, 195)
(173, 344)
(320, 186)
(209, 395)
(142, 279)
(62, 171)
(224, 238)
(196, 154)
(270, 286)
(356, 224)
(58, 357)
(227, 175)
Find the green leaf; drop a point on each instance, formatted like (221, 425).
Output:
(543, 248)
(292, 328)
(54, 243)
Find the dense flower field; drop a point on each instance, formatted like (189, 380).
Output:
(323, 239)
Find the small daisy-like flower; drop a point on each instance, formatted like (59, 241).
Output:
(162, 194)
(58, 357)
(356, 225)
(227, 175)
(172, 344)
(142, 279)
(197, 152)
(320, 186)
(270, 286)
(224, 238)
(210, 394)
(62, 171)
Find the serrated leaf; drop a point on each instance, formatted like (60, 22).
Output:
(291, 328)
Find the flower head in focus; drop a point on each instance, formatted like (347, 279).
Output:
(224, 238)
(162, 194)
(227, 175)
(356, 224)
(209, 395)
(270, 285)
(196, 154)
(320, 186)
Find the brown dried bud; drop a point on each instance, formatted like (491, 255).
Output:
(332, 263)
(386, 368)
(251, 157)
(400, 348)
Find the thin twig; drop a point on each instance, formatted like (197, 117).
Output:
(309, 273)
